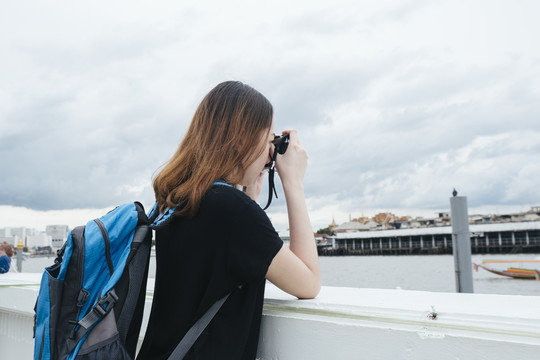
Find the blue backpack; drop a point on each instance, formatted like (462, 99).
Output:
(91, 300)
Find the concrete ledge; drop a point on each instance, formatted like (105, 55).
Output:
(346, 323)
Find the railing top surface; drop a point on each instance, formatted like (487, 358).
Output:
(512, 306)
(18, 293)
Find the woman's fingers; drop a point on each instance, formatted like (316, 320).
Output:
(292, 165)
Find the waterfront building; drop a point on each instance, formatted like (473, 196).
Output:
(520, 237)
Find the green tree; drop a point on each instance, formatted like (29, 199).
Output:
(325, 230)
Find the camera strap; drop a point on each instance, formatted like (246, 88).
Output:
(271, 186)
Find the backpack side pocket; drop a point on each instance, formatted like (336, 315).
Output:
(103, 342)
(48, 307)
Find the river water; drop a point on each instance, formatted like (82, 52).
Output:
(426, 273)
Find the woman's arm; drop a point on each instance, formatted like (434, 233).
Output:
(296, 270)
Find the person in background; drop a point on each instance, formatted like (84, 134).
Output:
(6, 252)
(219, 240)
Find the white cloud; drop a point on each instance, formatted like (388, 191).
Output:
(16, 216)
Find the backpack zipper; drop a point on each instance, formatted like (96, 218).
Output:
(105, 236)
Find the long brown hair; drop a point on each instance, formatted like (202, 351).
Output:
(222, 140)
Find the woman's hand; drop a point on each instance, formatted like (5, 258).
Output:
(292, 165)
(254, 190)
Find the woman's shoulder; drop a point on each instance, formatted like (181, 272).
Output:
(231, 200)
(226, 194)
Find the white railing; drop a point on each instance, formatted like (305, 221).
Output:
(346, 323)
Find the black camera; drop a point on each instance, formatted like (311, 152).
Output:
(280, 146)
(281, 142)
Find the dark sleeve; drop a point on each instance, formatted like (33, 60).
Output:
(253, 245)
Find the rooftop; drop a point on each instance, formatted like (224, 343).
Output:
(441, 230)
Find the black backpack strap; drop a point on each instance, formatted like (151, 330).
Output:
(195, 331)
(153, 213)
(98, 312)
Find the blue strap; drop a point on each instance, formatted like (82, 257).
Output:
(219, 182)
(163, 216)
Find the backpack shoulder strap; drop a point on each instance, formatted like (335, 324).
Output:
(195, 331)
(158, 218)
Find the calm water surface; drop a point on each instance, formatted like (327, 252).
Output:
(427, 273)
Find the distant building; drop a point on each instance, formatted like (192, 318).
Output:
(389, 221)
(384, 218)
(54, 236)
(354, 226)
(37, 241)
(531, 217)
(322, 240)
(58, 234)
(333, 225)
(12, 235)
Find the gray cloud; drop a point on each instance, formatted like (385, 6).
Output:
(91, 106)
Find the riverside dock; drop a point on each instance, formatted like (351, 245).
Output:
(499, 238)
(345, 323)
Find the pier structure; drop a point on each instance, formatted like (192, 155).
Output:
(499, 238)
(345, 323)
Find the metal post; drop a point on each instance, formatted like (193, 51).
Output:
(461, 244)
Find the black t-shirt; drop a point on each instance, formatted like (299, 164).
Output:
(230, 242)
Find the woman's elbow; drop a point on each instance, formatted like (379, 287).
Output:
(311, 291)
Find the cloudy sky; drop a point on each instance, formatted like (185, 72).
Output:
(397, 102)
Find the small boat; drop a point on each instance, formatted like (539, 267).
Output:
(513, 272)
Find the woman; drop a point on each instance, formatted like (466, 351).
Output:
(220, 240)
